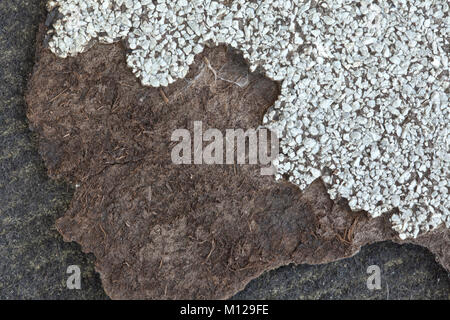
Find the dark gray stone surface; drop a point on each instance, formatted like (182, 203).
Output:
(34, 259)
(407, 272)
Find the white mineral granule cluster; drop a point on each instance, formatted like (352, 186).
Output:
(365, 85)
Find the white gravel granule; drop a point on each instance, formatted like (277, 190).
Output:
(365, 85)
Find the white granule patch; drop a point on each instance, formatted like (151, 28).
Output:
(365, 85)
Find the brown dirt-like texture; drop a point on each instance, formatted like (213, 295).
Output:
(164, 231)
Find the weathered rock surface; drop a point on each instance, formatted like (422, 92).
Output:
(160, 230)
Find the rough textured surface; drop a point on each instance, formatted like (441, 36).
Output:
(363, 103)
(33, 257)
(205, 231)
(404, 268)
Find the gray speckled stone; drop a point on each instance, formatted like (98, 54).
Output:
(407, 272)
(33, 257)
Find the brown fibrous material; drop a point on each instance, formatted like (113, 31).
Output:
(164, 231)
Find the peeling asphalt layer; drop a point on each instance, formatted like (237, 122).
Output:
(34, 258)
